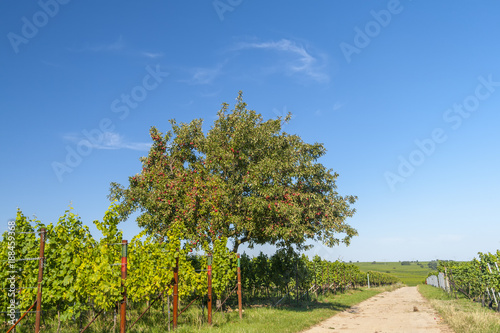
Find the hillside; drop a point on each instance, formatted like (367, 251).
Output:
(411, 274)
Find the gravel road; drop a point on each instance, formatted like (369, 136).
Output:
(402, 310)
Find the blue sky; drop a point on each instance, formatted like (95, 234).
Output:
(405, 96)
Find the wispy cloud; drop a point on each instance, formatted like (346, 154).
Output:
(108, 140)
(298, 61)
(200, 76)
(338, 105)
(117, 46)
(152, 55)
(283, 113)
(290, 58)
(114, 46)
(211, 93)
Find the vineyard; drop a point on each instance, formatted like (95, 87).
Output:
(477, 280)
(83, 277)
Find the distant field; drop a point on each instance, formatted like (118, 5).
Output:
(410, 275)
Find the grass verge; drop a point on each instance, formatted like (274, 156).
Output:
(288, 318)
(461, 314)
(411, 275)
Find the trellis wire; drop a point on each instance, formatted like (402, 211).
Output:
(25, 259)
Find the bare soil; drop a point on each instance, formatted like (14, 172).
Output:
(402, 310)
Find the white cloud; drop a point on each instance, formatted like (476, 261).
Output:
(152, 55)
(210, 94)
(282, 113)
(207, 75)
(108, 140)
(293, 60)
(117, 45)
(337, 106)
(302, 61)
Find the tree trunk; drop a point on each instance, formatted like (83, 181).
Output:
(237, 243)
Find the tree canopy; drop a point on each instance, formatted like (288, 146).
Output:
(245, 179)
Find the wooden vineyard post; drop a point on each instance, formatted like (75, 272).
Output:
(328, 275)
(323, 278)
(123, 309)
(315, 279)
(176, 292)
(19, 320)
(239, 289)
(297, 282)
(209, 305)
(40, 277)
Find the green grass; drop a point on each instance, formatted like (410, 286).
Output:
(461, 314)
(288, 318)
(431, 292)
(411, 275)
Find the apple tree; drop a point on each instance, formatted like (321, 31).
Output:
(245, 179)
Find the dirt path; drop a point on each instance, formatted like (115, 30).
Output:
(402, 310)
